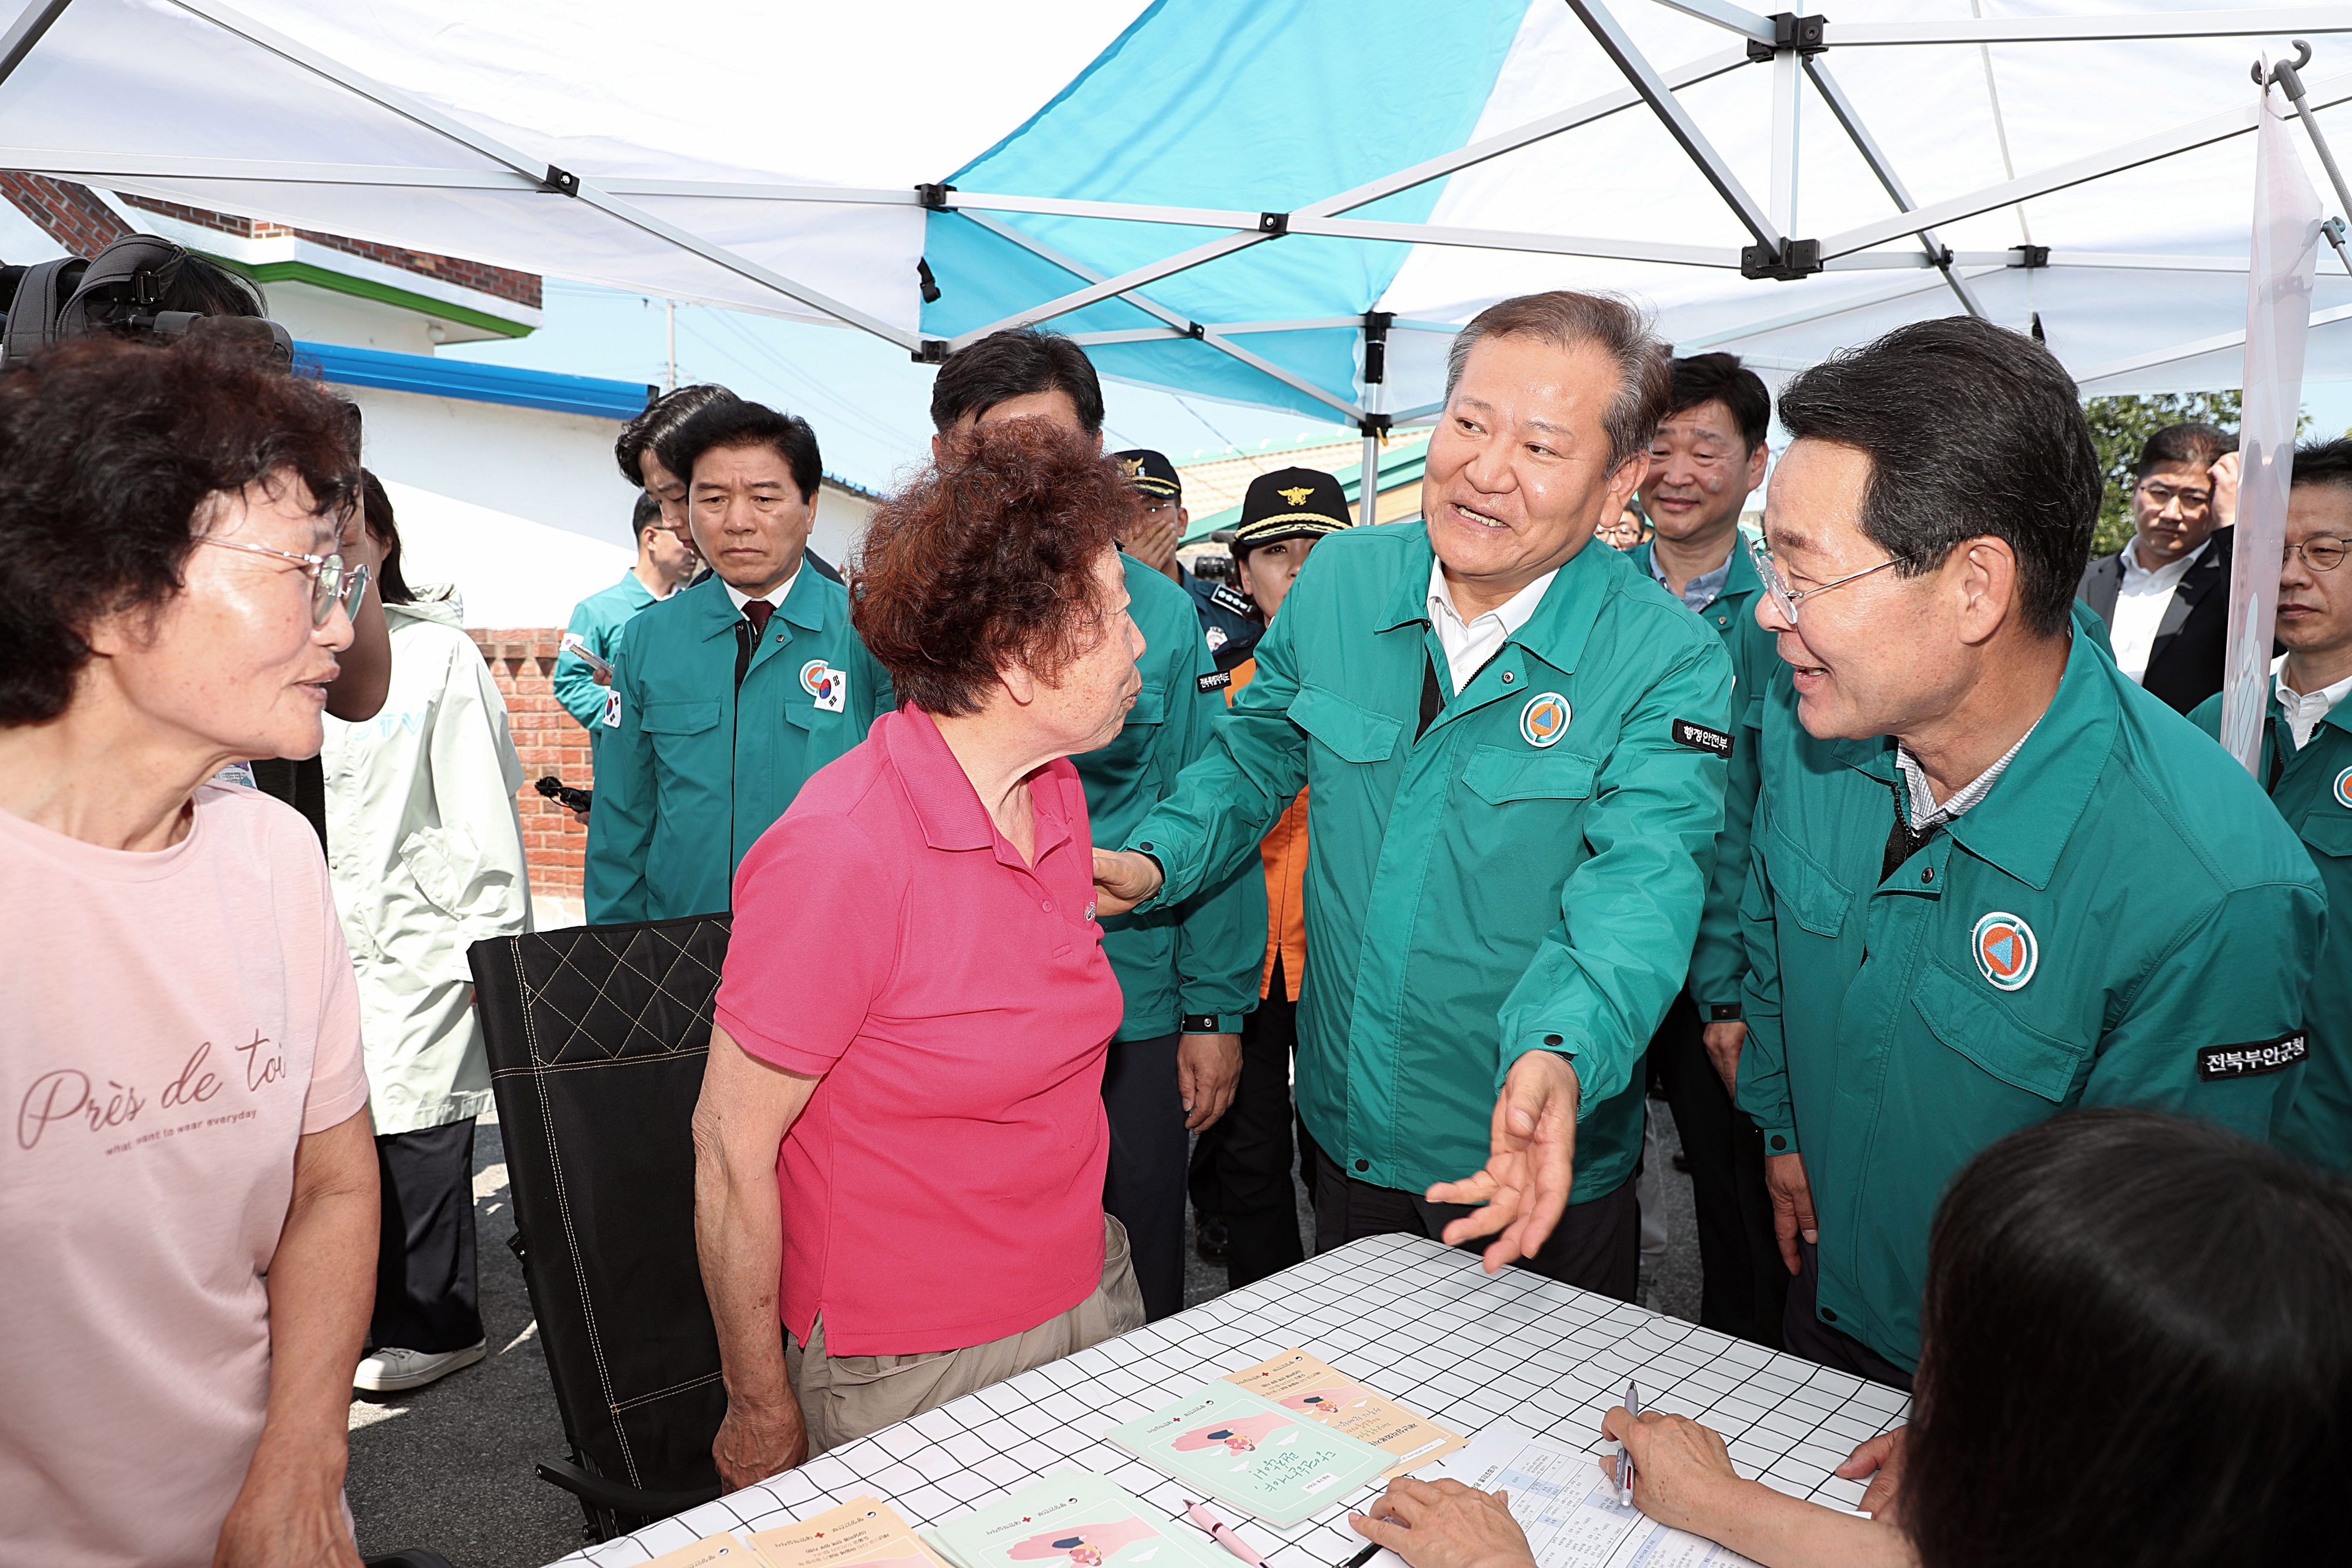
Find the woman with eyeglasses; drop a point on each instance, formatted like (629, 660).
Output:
(425, 848)
(188, 1202)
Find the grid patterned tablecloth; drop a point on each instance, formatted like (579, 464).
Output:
(1415, 1319)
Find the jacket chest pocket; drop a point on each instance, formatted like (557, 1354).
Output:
(675, 725)
(2328, 833)
(1500, 774)
(1348, 731)
(1150, 705)
(1980, 1029)
(1818, 900)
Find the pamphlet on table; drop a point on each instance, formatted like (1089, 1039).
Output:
(1250, 1453)
(1074, 1519)
(864, 1532)
(1296, 1381)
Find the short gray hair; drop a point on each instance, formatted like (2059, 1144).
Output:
(1610, 322)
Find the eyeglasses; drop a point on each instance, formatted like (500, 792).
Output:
(2162, 496)
(331, 583)
(1785, 598)
(2321, 552)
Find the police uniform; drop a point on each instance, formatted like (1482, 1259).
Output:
(595, 625)
(1229, 621)
(2311, 785)
(1743, 1281)
(2118, 922)
(700, 765)
(1517, 865)
(1189, 969)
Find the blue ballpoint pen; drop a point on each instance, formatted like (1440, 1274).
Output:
(1625, 1460)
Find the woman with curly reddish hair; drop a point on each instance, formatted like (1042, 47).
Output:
(900, 1143)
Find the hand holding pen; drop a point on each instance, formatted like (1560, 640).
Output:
(1625, 1460)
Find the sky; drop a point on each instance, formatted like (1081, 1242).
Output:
(868, 403)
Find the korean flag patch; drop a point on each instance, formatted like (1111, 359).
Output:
(612, 710)
(828, 685)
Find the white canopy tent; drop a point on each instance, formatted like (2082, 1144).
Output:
(1266, 202)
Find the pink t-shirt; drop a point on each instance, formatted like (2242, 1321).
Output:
(173, 1023)
(943, 1188)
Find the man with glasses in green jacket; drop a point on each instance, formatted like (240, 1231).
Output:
(1992, 878)
(2306, 766)
(1513, 746)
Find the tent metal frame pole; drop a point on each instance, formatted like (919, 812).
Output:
(125, 167)
(1850, 121)
(2288, 75)
(1501, 239)
(1748, 24)
(29, 28)
(1620, 48)
(1819, 311)
(1788, 82)
(1178, 324)
(2115, 160)
(2115, 26)
(555, 181)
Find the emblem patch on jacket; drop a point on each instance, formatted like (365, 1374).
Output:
(2006, 951)
(1216, 681)
(2216, 1063)
(1544, 720)
(2344, 787)
(828, 685)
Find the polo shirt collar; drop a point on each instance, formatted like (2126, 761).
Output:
(1555, 632)
(944, 801)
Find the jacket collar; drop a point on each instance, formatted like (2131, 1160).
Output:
(944, 801)
(1556, 633)
(2023, 825)
(804, 604)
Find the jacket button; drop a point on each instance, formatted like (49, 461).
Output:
(1507, 677)
(1828, 1316)
(1927, 874)
(1778, 1142)
(1047, 906)
(1552, 1040)
(1363, 1165)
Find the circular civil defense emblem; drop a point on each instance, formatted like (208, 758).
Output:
(2005, 949)
(2344, 787)
(818, 681)
(1544, 720)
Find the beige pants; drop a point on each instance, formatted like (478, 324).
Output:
(843, 1398)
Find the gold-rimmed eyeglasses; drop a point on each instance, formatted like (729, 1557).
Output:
(332, 581)
(2321, 552)
(1786, 599)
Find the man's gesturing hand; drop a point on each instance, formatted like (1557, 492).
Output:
(1524, 1187)
(1123, 879)
(1792, 1205)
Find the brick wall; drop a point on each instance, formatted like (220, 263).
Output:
(498, 282)
(548, 740)
(71, 214)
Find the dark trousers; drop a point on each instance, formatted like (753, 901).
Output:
(1805, 1334)
(1596, 1246)
(1251, 1148)
(1742, 1281)
(428, 1294)
(1144, 1183)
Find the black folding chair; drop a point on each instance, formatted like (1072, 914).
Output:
(597, 1037)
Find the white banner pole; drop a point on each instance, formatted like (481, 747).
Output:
(2278, 317)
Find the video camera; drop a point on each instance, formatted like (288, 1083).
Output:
(124, 288)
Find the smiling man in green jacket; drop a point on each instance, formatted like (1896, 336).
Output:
(733, 691)
(1992, 878)
(1513, 746)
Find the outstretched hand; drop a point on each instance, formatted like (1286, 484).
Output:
(1531, 1157)
(1123, 879)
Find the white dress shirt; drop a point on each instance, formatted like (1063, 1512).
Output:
(2140, 603)
(2303, 714)
(1469, 644)
(775, 600)
(1919, 799)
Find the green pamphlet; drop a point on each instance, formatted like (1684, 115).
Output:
(1250, 1453)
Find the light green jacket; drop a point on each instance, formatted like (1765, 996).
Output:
(1525, 876)
(426, 855)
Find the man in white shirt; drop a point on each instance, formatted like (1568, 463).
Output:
(2165, 595)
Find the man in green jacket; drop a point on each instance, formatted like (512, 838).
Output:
(1992, 878)
(592, 640)
(2306, 764)
(1514, 750)
(1707, 457)
(1190, 973)
(733, 691)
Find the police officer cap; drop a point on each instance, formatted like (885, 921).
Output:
(1150, 472)
(1290, 504)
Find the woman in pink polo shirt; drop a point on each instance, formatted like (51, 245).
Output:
(900, 1140)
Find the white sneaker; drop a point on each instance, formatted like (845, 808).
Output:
(391, 1369)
